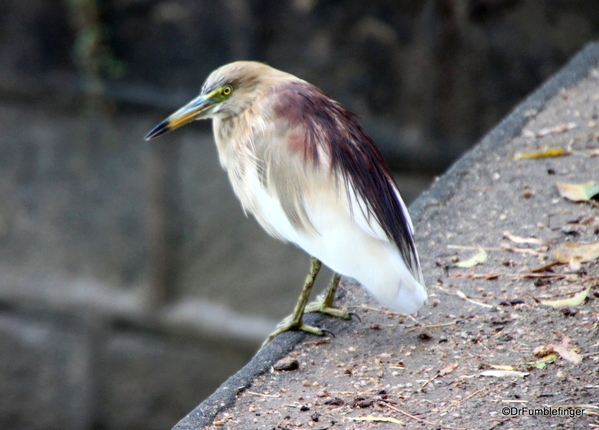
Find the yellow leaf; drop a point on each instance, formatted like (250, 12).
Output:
(543, 362)
(581, 252)
(504, 373)
(572, 301)
(551, 152)
(500, 366)
(578, 192)
(372, 418)
(479, 258)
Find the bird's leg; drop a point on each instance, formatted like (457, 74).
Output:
(294, 321)
(324, 302)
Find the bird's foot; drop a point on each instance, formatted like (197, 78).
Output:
(320, 305)
(288, 324)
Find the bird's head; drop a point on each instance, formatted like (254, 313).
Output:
(227, 92)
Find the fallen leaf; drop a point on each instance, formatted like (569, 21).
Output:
(568, 354)
(504, 373)
(543, 350)
(571, 251)
(578, 192)
(551, 152)
(372, 418)
(479, 258)
(499, 366)
(564, 349)
(543, 361)
(448, 369)
(575, 300)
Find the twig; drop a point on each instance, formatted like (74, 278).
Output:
(494, 275)
(498, 423)
(415, 326)
(476, 248)
(508, 248)
(422, 419)
(523, 240)
(487, 276)
(383, 311)
(461, 295)
(430, 380)
(262, 395)
(455, 403)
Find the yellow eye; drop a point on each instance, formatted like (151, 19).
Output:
(227, 90)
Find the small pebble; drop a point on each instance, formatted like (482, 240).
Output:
(287, 364)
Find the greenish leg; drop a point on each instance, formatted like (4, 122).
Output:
(294, 321)
(324, 303)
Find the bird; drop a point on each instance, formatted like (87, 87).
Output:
(308, 172)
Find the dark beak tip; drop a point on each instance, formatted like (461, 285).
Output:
(160, 129)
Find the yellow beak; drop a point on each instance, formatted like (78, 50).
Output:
(195, 109)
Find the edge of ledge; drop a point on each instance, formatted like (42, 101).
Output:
(576, 69)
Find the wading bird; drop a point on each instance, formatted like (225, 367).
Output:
(310, 175)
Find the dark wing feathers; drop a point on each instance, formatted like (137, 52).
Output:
(353, 154)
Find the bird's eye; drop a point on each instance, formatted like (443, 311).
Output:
(227, 90)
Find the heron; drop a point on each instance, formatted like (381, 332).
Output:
(303, 166)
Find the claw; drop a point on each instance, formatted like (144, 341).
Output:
(353, 314)
(324, 330)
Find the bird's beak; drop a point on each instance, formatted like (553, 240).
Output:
(198, 108)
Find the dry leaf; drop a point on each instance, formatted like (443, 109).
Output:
(581, 252)
(578, 192)
(372, 418)
(448, 369)
(551, 152)
(499, 366)
(575, 300)
(543, 361)
(567, 354)
(564, 349)
(504, 373)
(543, 350)
(479, 258)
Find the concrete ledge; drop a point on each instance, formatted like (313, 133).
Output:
(427, 213)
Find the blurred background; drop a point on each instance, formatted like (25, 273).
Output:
(131, 284)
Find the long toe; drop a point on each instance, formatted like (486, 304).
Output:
(287, 325)
(319, 306)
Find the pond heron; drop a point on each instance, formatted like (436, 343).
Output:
(307, 171)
